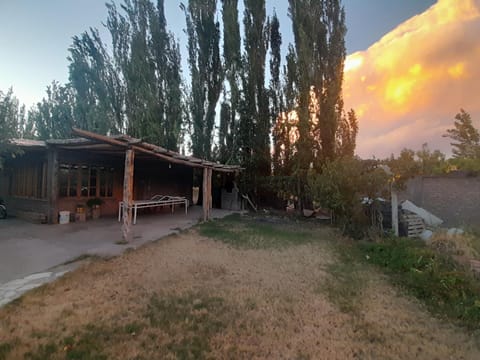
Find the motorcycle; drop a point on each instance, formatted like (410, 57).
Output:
(3, 209)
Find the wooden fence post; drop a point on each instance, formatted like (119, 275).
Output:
(394, 211)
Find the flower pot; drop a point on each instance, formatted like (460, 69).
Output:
(95, 212)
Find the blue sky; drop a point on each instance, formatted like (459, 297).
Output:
(35, 35)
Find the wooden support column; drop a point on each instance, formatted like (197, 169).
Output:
(210, 202)
(205, 195)
(52, 185)
(128, 195)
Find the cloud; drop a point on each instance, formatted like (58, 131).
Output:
(407, 87)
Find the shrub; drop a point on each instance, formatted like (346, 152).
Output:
(340, 187)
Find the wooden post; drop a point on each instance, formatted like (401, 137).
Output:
(394, 211)
(128, 195)
(52, 187)
(210, 193)
(210, 202)
(205, 195)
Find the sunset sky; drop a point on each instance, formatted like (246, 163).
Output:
(412, 65)
(407, 87)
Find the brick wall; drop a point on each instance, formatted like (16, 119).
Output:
(454, 198)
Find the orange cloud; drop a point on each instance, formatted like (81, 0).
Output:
(408, 86)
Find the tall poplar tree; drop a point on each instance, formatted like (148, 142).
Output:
(347, 134)
(97, 88)
(228, 131)
(53, 117)
(255, 119)
(205, 70)
(137, 89)
(319, 31)
(276, 101)
(11, 115)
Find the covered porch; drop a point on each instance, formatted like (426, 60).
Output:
(153, 158)
(61, 176)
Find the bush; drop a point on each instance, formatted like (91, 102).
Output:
(340, 187)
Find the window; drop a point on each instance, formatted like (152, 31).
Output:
(89, 181)
(85, 181)
(30, 181)
(68, 180)
(106, 182)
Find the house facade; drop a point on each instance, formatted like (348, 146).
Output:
(61, 175)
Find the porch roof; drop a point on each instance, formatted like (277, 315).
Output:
(117, 144)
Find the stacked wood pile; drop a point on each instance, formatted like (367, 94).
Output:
(414, 224)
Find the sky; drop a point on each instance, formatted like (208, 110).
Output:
(410, 64)
(408, 86)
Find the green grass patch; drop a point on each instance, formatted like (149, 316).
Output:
(447, 289)
(191, 320)
(88, 344)
(85, 344)
(5, 349)
(346, 281)
(344, 286)
(43, 352)
(257, 232)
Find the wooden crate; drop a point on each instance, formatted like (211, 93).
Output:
(415, 225)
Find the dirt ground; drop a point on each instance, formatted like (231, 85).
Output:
(188, 296)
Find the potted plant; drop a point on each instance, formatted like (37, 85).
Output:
(94, 205)
(80, 214)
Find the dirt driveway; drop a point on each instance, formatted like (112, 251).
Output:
(191, 297)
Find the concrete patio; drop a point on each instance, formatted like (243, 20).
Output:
(27, 248)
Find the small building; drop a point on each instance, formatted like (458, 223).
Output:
(60, 175)
(453, 197)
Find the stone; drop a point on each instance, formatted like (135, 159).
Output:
(426, 235)
(454, 231)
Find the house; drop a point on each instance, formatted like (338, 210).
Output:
(57, 175)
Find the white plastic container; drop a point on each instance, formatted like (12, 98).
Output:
(64, 217)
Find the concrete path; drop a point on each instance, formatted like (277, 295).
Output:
(30, 254)
(16, 288)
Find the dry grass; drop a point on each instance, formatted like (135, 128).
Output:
(190, 297)
(464, 245)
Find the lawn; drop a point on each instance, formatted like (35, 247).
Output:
(240, 288)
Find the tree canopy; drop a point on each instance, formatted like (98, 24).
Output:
(226, 107)
(465, 136)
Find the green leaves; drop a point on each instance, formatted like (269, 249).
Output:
(205, 70)
(467, 137)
